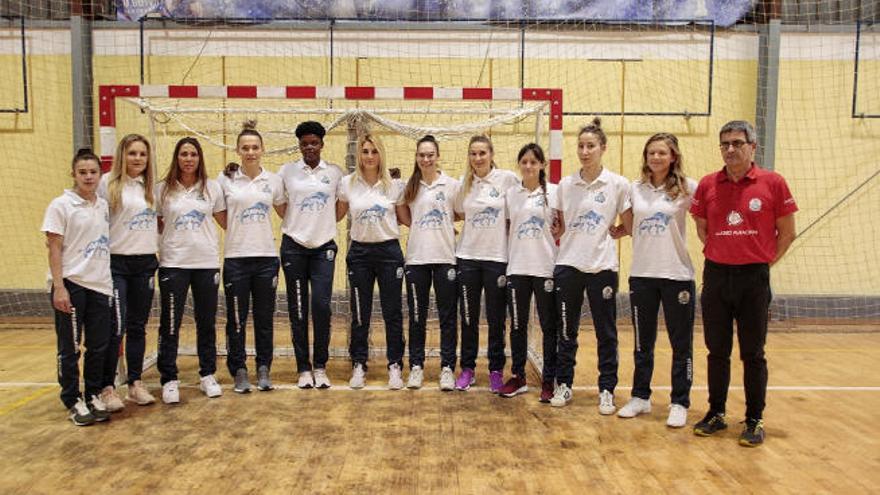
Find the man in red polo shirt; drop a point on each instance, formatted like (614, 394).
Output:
(745, 219)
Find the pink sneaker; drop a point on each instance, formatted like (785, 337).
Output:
(465, 379)
(496, 381)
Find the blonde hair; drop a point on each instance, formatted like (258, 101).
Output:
(114, 184)
(384, 176)
(469, 173)
(675, 184)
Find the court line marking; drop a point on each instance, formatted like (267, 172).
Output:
(27, 399)
(376, 388)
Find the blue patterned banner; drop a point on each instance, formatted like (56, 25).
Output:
(723, 12)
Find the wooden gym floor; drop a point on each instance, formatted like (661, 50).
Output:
(821, 424)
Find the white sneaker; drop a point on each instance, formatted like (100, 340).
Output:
(447, 379)
(208, 385)
(561, 396)
(139, 394)
(416, 376)
(321, 380)
(305, 380)
(111, 400)
(634, 407)
(358, 376)
(171, 392)
(606, 403)
(395, 377)
(678, 416)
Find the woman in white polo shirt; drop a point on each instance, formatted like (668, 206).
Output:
(590, 201)
(189, 257)
(77, 235)
(430, 260)
(373, 202)
(134, 240)
(482, 260)
(308, 251)
(662, 273)
(250, 265)
(532, 249)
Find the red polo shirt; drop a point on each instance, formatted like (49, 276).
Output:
(741, 216)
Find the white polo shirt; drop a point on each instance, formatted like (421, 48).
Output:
(659, 232)
(432, 231)
(532, 249)
(190, 239)
(311, 202)
(589, 210)
(373, 217)
(133, 226)
(484, 233)
(85, 253)
(249, 213)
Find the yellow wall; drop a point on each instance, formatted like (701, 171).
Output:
(823, 153)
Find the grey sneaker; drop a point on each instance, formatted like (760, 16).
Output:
(447, 379)
(242, 385)
(264, 383)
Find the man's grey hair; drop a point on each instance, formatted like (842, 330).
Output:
(740, 126)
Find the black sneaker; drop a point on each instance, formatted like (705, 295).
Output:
(712, 423)
(81, 415)
(753, 433)
(99, 409)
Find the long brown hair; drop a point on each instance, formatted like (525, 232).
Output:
(415, 180)
(118, 173)
(675, 183)
(172, 177)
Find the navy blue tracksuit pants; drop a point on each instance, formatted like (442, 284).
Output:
(309, 271)
(419, 279)
(245, 280)
(677, 298)
(486, 277)
(601, 290)
(89, 321)
(369, 263)
(174, 283)
(133, 283)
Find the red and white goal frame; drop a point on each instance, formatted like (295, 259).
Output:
(109, 93)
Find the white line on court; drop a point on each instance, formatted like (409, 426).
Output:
(377, 388)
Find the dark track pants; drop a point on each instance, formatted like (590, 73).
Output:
(677, 297)
(601, 290)
(738, 293)
(419, 279)
(133, 283)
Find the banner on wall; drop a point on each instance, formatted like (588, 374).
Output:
(722, 12)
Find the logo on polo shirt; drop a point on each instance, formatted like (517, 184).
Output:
(314, 202)
(267, 189)
(325, 179)
(600, 197)
(99, 248)
(541, 200)
(494, 192)
(440, 196)
(433, 220)
(588, 222)
(145, 220)
(257, 213)
(531, 228)
(189, 221)
(734, 218)
(755, 204)
(486, 218)
(373, 214)
(654, 225)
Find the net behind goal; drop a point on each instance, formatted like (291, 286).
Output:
(400, 116)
